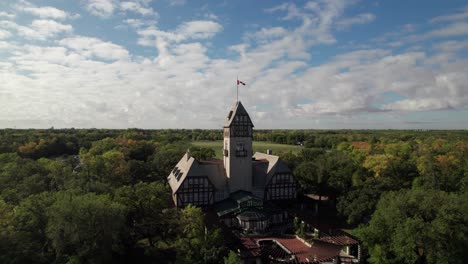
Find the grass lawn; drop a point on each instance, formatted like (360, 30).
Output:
(258, 146)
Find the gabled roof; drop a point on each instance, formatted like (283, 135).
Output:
(215, 171)
(237, 110)
(316, 252)
(189, 166)
(263, 168)
(180, 172)
(275, 165)
(339, 237)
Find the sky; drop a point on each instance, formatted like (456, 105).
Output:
(323, 64)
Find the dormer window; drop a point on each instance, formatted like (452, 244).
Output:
(178, 174)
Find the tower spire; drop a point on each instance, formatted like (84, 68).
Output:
(238, 148)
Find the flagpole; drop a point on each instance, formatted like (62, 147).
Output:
(237, 93)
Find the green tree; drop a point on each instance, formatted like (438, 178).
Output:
(23, 231)
(196, 243)
(340, 169)
(146, 204)
(85, 228)
(201, 153)
(359, 203)
(306, 175)
(232, 258)
(7, 246)
(416, 226)
(165, 159)
(310, 154)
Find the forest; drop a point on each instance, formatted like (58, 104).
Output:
(101, 196)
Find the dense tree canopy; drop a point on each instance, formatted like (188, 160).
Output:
(416, 226)
(85, 228)
(101, 196)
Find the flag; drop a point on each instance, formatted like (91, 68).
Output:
(240, 82)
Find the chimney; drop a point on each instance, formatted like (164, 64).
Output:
(269, 152)
(188, 154)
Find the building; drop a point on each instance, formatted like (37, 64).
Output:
(240, 177)
(243, 189)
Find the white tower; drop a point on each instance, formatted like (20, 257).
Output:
(238, 149)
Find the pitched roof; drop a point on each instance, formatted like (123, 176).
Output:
(237, 110)
(318, 251)
(188, 166)
(339, 237)
(275, 165)
(264, 166)
(214, 170)
(180, 172)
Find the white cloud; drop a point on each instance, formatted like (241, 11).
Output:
(199, 29)
(358, 19)
(418, 105)
(136, 7)
(48, 28)
(7, 15)
(177, 2)
(5, 45)
(105, 8)
(145, 92)
(268, 34)
(320, 19)
(45, 12)
(4, 34)
(452, 17)
(90, 82)
(93, 47)
(456, 29)
(136, 23)
(401, 35)
(39, 29)
(210, 16)
(101, 8)
(452, 45)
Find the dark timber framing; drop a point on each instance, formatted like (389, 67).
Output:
(195, 190)
(282, 186)
(241, 127)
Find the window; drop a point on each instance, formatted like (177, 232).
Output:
(196, 190)
(281, 187)
(226, 149)
(178, 174)
(240, 150)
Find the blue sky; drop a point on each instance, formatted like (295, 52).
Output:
(325, 64)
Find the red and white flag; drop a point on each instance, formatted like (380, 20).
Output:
(240, 82)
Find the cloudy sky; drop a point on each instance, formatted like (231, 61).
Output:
(174, 63)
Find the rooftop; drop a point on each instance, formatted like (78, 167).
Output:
(303, 253)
